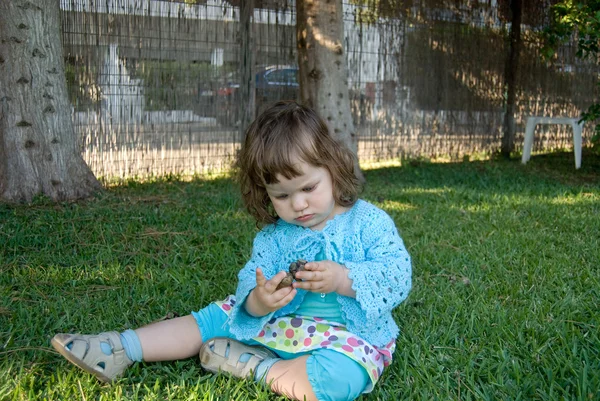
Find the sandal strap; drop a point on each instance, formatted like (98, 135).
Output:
(113, 338)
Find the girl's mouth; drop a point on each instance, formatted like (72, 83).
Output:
(306, 217)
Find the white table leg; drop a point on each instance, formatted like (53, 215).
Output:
(577, 128)
(528, 140)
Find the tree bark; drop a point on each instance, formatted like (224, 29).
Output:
(511, 76)
(323, 72)
(39, 153)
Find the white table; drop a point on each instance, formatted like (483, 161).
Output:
(532, 121)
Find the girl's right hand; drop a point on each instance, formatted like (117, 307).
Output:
(265, 297)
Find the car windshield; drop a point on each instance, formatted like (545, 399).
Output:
(286, 76)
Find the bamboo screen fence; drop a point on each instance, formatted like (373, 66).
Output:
(153, 84)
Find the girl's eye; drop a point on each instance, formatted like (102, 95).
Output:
(309, 189)
(281, 197)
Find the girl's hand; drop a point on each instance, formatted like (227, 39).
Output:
(325, 276)
(265, 297)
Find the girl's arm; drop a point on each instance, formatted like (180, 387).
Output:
(383, 279)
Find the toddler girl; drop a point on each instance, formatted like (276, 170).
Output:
(328, 335)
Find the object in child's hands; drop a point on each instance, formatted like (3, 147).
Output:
(294, 268)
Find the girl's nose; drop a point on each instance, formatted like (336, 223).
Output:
(299, 203)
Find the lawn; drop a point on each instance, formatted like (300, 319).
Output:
(505, 303)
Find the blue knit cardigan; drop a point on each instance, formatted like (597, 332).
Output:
(365, 240)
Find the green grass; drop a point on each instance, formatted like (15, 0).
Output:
(505, 304)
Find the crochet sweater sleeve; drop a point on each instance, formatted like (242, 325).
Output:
(383, 278)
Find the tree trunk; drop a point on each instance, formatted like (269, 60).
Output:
(511, 77)
(39, 154)
(323, 73)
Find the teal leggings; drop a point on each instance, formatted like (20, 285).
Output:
(332, 375)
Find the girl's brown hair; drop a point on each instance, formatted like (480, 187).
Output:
(282, 134)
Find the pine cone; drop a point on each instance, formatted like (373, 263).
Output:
(294, 268)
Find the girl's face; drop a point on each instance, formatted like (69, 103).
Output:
(306, 200)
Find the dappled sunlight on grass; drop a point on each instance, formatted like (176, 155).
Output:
(432, 191)
(586, 198)
(396, 206)
(374, 165)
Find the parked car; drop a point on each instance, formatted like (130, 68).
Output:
(276, 83)
(272, 83)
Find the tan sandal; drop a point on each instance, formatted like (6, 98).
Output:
(214, 357)
(85, 352)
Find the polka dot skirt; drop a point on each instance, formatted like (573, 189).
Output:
(296, 334)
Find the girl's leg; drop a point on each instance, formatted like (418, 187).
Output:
(324, 375)
(181, 337)
(107, 355)
(290, 378)
(169, 340)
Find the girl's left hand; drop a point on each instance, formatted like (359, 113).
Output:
(324, 276)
